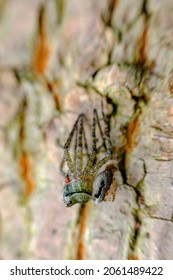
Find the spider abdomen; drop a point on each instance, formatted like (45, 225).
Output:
(77, 191)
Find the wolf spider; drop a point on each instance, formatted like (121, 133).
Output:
(84, 183)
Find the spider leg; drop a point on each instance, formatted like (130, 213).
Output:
(75, 147)
(85, 146)
(108, 144)
(67, 156)
(85, 143)
(101, 133)
(92, 156)
(79, 146)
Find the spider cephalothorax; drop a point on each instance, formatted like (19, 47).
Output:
(85, 182)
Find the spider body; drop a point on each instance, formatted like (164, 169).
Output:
(77, 191)
(85, 182)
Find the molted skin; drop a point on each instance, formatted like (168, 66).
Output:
(77, 191)
(102, 183)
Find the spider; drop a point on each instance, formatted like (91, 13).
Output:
(83, 183)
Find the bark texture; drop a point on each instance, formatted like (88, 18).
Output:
(61, 58)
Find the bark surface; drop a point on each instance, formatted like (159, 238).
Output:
(61, 58)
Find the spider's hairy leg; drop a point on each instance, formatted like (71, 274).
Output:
(67, 156)
(100, 129)
(108, 145)
(85, 146)
(85, 143)
(79, 146)
(75, 147)
(92, 156)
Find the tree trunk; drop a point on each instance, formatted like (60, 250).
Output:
(61, 58)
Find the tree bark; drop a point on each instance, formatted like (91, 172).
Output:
(61, 59)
